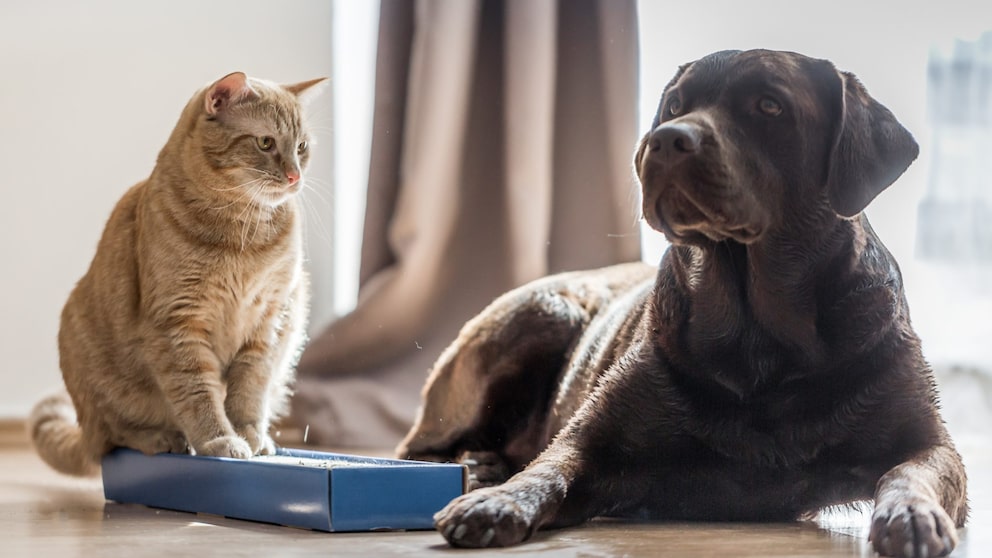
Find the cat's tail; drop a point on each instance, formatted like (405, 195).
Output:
(58, 438)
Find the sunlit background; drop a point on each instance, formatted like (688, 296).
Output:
(83, 119)
(886, 44)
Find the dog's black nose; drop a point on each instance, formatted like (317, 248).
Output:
(675, 139)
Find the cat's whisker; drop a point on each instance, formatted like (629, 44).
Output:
(246, 196)
(324, 183)
(259, 171)
(310, 209)
(236, 186)
(259, 210)
(320, 195)
(239, 199)
(258, 217)
(240, 187)
(245, 216)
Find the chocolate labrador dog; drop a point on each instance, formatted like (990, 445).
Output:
(766, 370)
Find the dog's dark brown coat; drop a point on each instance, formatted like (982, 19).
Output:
(768, 370)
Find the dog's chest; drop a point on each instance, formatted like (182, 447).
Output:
(739, 367)
(764, 433)
(763, 407)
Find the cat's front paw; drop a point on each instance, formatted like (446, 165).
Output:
(226, 446)
(259, 442)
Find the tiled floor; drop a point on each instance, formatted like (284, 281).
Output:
(45, 514)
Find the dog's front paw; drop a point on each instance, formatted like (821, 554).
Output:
(485, 517)
(485, 468)
(917, 529)
(226, 446)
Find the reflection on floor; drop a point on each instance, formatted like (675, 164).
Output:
(46, 514)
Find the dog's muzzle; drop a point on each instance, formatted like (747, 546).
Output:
(688, 194)
(674, 141)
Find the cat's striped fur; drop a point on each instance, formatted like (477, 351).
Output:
(184, 333)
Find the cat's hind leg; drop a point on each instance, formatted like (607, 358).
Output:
(153, 440)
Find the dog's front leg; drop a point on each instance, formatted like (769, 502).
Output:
(920, 504)
(588, 470)
(509, 513)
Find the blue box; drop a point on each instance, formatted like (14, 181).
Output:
(296, 488)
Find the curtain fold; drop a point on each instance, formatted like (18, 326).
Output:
(501, 151)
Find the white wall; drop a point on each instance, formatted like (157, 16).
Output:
(89, 92)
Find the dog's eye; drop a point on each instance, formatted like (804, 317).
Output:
(674, 106)
(769, 106)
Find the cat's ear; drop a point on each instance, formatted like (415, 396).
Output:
(226, 91)
(306, 90)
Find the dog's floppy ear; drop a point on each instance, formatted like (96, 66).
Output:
(871, 148)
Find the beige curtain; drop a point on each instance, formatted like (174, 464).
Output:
(501, 151)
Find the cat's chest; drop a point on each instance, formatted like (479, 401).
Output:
(247, 303)
(244, 297)
(226, 298)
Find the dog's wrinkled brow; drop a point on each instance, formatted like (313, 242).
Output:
(706, 75)
(791, 77)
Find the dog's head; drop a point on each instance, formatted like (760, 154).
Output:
(744, 141)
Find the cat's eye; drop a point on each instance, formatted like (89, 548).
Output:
(769, 106)
(302, 148)
(265, 143)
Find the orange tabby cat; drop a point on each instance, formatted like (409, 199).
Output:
(185, 331)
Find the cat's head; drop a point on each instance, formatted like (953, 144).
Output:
(251, 137)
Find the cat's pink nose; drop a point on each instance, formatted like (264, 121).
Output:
(293, 177)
